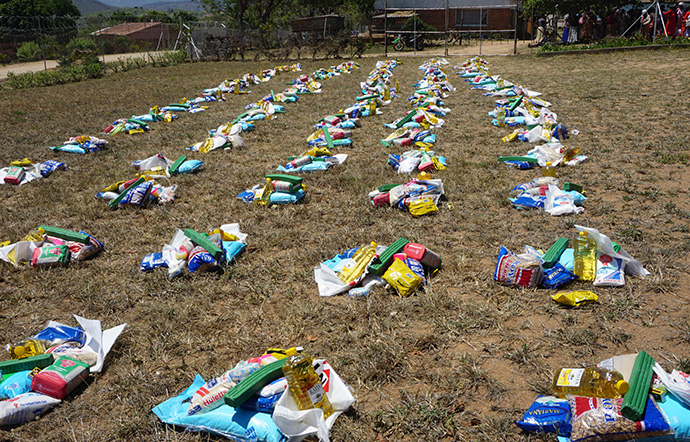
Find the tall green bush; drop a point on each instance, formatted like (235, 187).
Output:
(28, 51)
(80, 50)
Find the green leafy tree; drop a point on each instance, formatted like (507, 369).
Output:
(26, 17)
(156, 16)
(545, 7)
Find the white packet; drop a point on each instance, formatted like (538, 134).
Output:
(24, 408)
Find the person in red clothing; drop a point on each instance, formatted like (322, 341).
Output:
(670, 17)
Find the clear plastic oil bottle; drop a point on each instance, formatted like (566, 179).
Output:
(589, 382)
(304, 384)
(360, 261)
(24, 349)
(585, 266)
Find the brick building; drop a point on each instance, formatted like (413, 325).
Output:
(466, 15)
(156, 34)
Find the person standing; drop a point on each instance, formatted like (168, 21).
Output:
(670, 17)
(587, 27)
(574, 29)
(680, 23)
(686, 22)
(566, 28)
(646, 25)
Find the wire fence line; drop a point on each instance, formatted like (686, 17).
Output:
(49, 35)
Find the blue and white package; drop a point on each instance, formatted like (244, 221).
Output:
(24, 408)
(416, 268)
(567, 259)
(260, 403)
(200, 260)
(547, 414)
(557, 276)
(522, 165)
(609, 272)
(71, 148)
(678, 416)
(59, 333)
(234, 423)
(232, 249)
(153, 261)
(190, 166)
(18, 383)
(47, 167)
(138, 196)
(246, 196)
(529, 201)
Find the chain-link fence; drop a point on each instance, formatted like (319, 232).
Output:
(28, 38)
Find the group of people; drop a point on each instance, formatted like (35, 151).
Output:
(588, 26)
(676, 22)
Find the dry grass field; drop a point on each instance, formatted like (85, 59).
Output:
(460, 360)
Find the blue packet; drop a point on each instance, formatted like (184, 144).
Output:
(286, 198)
(559, 132)
(578, 198)
(547, 414)
(200, 260)
(522, 165)
(556, 276)
(153, 261)
(190, 166)
(260, 403)
(416, 268)
(246, 126)
(18, 383)
(61, 333)
(233, 423)
(314, 166)
(247, 196)
(567, 259)
(50, 166)
(232, 249)
(138, 195)
(529, 201)
(71, 148)
(394, 161)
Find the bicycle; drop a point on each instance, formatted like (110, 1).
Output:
(413, 40)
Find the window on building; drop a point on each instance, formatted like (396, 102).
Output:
(471, 17)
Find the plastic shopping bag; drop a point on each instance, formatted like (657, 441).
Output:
(296, 423)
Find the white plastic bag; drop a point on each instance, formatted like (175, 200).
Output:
(560, 203)
(298, 424)
(328, 281)
(677, 383)
(605, 246)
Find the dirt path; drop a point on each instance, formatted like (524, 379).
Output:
(467, 50)
(35, 66)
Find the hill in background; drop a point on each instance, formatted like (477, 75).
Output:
(87, 7)
(92, 6)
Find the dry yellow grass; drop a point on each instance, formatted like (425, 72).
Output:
(458, 361)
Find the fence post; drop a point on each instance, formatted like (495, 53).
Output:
(515, 29)
(385, 29)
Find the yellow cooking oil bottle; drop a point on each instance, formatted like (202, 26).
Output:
(590, 382)
(360, 261)
(304, 384)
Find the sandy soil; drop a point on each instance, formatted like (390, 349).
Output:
(35, 66)
(487, 48)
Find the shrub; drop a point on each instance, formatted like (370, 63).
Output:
(416, 23)
(80, 50)
(28, 51)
